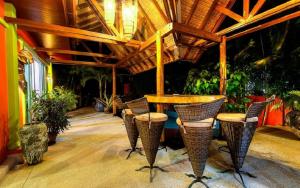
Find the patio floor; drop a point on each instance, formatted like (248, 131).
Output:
(91, 154)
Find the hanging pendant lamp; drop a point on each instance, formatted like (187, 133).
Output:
(129, 17)
(109, 11)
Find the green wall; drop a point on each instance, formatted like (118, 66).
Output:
(12, 70)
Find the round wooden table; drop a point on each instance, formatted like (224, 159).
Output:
(182, 99)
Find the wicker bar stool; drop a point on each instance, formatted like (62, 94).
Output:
(150, 126)
(239, 130)
(131, 128)
(195, 123)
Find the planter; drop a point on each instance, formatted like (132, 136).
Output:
(293, 120)
(34, 142)
(52, 138)
(99, 107)
(107, 110)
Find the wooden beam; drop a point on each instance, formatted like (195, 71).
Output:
(192, 31)
(223, 66)
(161, 12)
(114, 89)
(257, 7)
(229, 13)
(173, 10)
(83, 63)
(71, 52)
(265, 25)
(167, 29)
(99, 14)
(246, 5)
(70, 32)
(159, 65)
(167, 8)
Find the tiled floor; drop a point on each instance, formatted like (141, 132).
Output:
(91, 154)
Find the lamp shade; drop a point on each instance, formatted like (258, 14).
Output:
(109, 11)
(129, 17)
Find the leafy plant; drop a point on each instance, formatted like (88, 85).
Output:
(290, 100)
(65, 95)
(107, 102)
(51, 108)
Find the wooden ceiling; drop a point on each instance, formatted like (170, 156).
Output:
(187, 26)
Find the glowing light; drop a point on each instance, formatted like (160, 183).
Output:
(109, 11)
(129, 16)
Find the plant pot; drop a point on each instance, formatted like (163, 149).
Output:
(99, 107)
(293, 120)
(34, 142)
(107, 110)
(52, 138)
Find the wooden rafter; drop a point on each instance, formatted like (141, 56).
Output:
(167, 8)
(64, 4)
(257, 7)
(229, 13)
(167, 29)
(265, 25)
(99, 14)
(246, 6)
(84, 63)
(259, 17)
(161, 12)
(70, 32)
(74, 12)
(173, 10)
(71, 52)
(192, 31)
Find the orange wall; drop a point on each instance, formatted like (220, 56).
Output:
(3, 91)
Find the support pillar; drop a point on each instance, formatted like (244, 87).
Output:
(223, 71)
(159, 69)
(114, 89)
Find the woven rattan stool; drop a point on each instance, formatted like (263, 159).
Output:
(150, 126)
(131, 129)
(239, 130)
(195, 123)
(132, 132)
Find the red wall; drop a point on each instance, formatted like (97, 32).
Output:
(3, 91)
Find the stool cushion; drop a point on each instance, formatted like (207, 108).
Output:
(128, 111)
(202, 123)
(231, 117)
(154, 117)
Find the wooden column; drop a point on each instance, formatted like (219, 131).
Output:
(114, 89)
(223, 66)
(159, 69)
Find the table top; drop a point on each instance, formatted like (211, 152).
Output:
(182, 99)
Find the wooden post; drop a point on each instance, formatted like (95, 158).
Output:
(223, 66)
(159, 69)
(114, 89)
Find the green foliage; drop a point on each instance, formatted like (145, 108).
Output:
(52, 108)
(291, 100)
(207, 83)
(107, 102)
(65, 95)
(202, 82)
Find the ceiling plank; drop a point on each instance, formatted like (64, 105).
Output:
(194, 6)
(229, 13)
(74, 12)
(83, 63)
(70, 32)
(257, 7)
(192, 31)
(71, 52)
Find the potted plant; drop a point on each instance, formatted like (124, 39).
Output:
(52, 108)
(34, 141)
(107, 102)
(292, 101)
